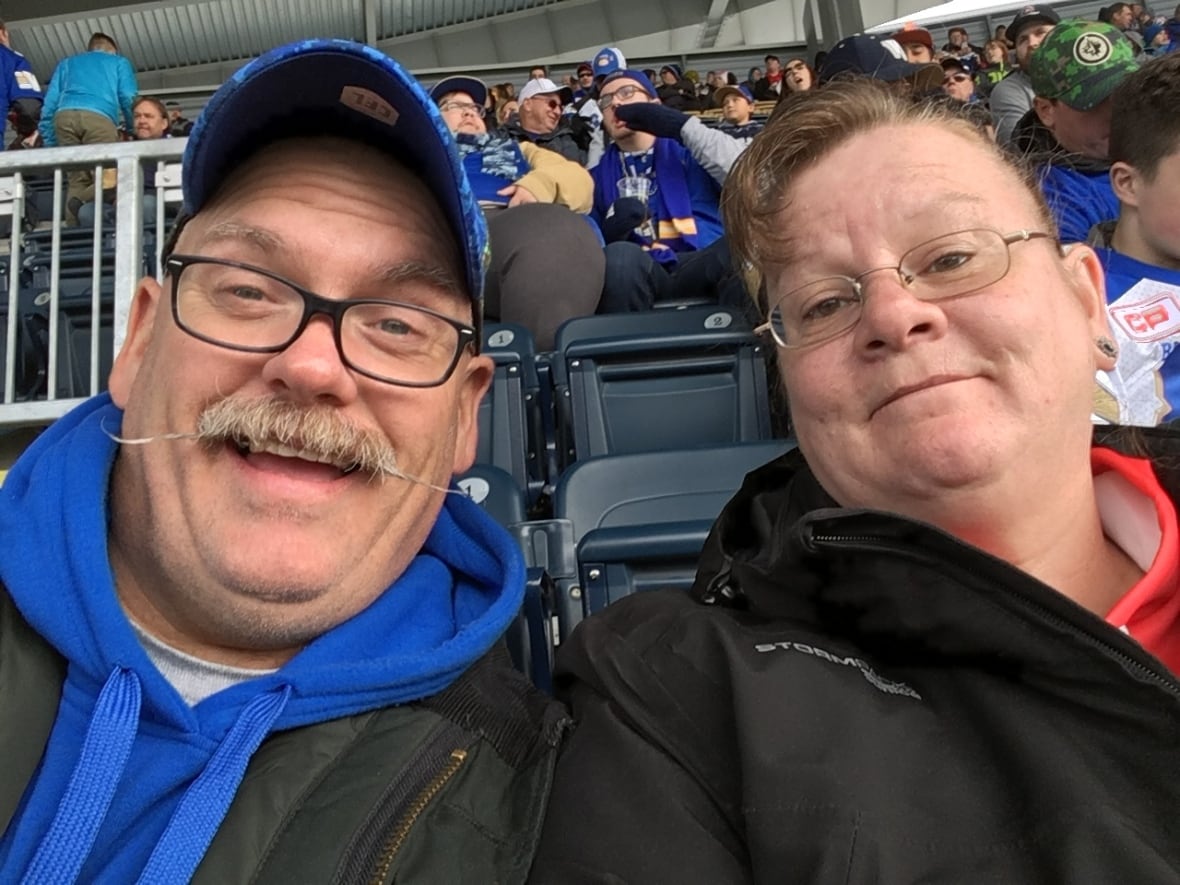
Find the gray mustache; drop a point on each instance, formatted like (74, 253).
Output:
(316, 431)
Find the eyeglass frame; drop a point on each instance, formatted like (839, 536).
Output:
(607, 100)
(313, 304)
(551, 101)
(463, 107)
(1009, 239)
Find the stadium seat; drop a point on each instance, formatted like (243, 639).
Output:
(529, 639)
(664, 379)
(626, 523)
(510, 436)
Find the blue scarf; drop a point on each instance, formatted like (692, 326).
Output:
(669, 205)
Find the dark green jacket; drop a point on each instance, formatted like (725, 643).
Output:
(447, 790)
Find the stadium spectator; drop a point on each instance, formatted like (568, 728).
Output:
(179, 124)
(273, 631)
(540, 120)
(22, 93)
(585, 77)
(799, 76)
(995, 67)
(1122, 16)
(917, 43)
(937, 642)
(529, 196)
(959, 46)
(866, 55)
(737, 110)
(1140, 252)
(149, 118)
(752, 78)
(88, 96)
(538, 72)
(151, 121)
(1155, 39)
(506, 111)
(770, 86)
(1066, 134)
(1012, 97)
(675, 90)
(1002, 35)
(670, 245)
(958, 80)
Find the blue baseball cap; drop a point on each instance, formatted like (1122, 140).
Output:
(638, 76)
(338, 87)
(472, 86)
(608, 60)
(866, 55)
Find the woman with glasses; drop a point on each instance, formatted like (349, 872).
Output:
(938, 642)
(532, 199)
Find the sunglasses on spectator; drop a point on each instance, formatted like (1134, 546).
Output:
(957, 78)
(463, 107)
(551, 103)
(623, 93)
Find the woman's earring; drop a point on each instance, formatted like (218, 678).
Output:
(1107, 347)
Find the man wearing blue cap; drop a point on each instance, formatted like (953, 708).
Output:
(669, 245)
(248, 630)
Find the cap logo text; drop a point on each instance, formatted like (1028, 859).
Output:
(1092, 49)
(369, 103)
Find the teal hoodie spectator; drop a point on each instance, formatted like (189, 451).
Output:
(97, 81)
(120, 723)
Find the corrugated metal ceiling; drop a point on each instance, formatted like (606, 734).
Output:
(172, 35)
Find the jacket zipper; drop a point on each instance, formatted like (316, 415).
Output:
(375, 847)
(1153, 674)
(412, 811)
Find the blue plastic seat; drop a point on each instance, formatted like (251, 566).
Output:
(627, 523)
(509, 421)
(529, 639)
(664, 379)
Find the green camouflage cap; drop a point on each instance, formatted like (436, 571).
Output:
(1081, 62)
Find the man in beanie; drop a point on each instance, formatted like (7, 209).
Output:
(1067, 132)
(1012, 97)
(675, 90)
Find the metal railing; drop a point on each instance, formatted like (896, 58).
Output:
(37, 334)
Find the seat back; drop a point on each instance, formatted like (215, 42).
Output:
(664, 379)
(509, 437)
(639, 521)
(529, 639)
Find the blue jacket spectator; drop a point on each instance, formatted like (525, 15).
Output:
(22, 92)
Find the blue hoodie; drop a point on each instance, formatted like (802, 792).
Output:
(134, 783)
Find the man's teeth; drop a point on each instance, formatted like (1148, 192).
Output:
(271, 448)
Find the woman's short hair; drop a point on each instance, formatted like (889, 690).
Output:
(804, 128)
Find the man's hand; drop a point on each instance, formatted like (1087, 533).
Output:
(517, 195)
(625, 214)
(657, 119)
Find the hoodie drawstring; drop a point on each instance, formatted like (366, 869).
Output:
(97, 773)
(204, 805)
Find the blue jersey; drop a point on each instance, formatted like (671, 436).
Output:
(19, 80)
(1078, 200)
(1143, 302)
